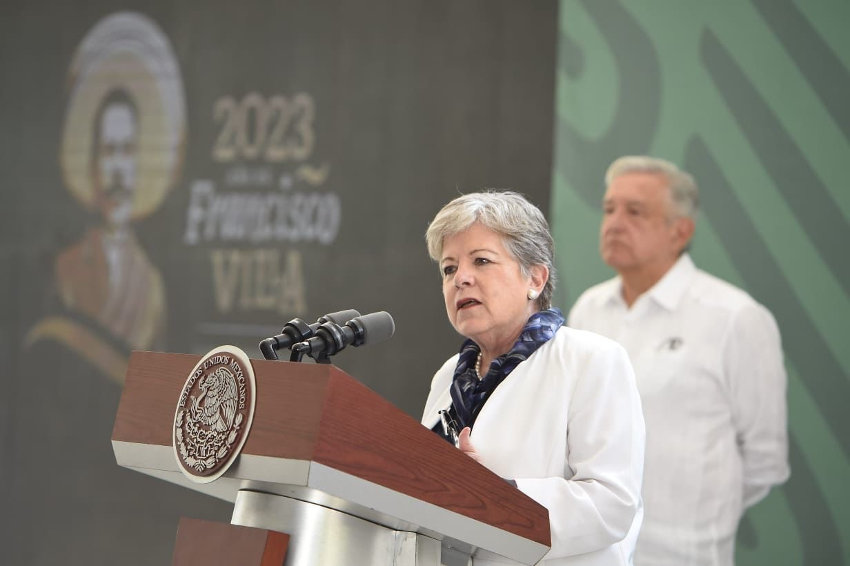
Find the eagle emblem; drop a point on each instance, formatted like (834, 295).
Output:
(215, 407)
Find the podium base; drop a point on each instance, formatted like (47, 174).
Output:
(320, 535)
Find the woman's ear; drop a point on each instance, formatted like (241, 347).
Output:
(539, 276)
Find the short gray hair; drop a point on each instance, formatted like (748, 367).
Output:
(522, 226)
(683, 189)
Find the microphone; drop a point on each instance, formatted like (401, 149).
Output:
(297, 330)
(330, 337)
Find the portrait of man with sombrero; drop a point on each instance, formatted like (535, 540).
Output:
(121, 152)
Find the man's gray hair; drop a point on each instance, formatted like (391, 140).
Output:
(522, 226)
(683, 189)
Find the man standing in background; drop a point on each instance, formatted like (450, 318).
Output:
(708, 360)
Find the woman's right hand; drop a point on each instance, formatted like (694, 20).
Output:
(465, 444)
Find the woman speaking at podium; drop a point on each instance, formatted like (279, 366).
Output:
(553, 410)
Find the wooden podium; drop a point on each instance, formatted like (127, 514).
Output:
(349, 477)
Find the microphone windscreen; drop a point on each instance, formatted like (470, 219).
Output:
(377, 326)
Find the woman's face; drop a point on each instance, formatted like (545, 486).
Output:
(485, 291)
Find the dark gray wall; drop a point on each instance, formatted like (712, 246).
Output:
(413, 102)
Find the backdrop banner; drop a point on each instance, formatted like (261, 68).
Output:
(176, 177)
(751, 99)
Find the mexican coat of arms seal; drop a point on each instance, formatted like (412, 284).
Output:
(214, 413)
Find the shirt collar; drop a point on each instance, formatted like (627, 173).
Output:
(667, 291)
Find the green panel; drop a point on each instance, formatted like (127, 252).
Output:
(750, 97)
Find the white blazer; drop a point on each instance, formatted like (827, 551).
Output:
(567, 426)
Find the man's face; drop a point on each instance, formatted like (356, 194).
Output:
(638, 232)
(116, 162)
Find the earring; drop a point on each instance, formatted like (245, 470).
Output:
(532, 294)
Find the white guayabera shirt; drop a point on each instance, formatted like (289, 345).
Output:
(708, 361)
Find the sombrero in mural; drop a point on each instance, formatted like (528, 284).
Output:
(126, 51)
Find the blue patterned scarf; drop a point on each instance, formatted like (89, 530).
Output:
(470, 393)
